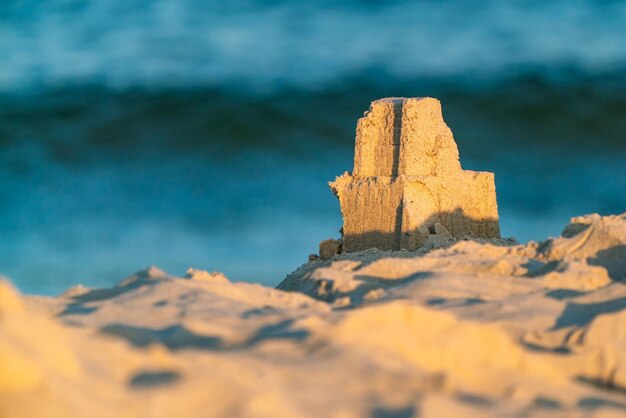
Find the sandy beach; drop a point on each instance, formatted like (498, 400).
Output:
(456, 328)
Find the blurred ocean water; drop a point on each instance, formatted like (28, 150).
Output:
(199, 133)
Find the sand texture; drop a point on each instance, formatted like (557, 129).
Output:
(459, 328)
(407, 177)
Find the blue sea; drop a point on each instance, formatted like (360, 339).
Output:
(189, 133)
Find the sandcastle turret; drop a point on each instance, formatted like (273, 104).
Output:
(408, 183)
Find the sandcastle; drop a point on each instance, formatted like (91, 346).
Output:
(408, 183)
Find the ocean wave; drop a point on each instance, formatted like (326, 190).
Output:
(574, 113)
(265, 46)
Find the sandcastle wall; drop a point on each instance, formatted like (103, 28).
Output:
(407, 179)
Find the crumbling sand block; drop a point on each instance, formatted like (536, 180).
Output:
(408, 183)
(328, 248)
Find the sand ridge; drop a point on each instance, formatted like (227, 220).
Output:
(458, 328)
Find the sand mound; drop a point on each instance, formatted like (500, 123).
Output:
(600, 241)
(456, 328)
(590, 254)
(33, 349)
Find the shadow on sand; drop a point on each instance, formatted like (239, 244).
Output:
(178, 337)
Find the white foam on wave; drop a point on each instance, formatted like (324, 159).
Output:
(122, 43)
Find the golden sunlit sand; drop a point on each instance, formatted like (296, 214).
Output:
(474, 329)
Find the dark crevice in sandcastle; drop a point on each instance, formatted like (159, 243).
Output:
(397, 132)
(396, 238)
(408, 184)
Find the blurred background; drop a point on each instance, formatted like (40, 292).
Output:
(199, 133)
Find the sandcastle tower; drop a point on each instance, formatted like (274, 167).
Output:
(408, 182)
